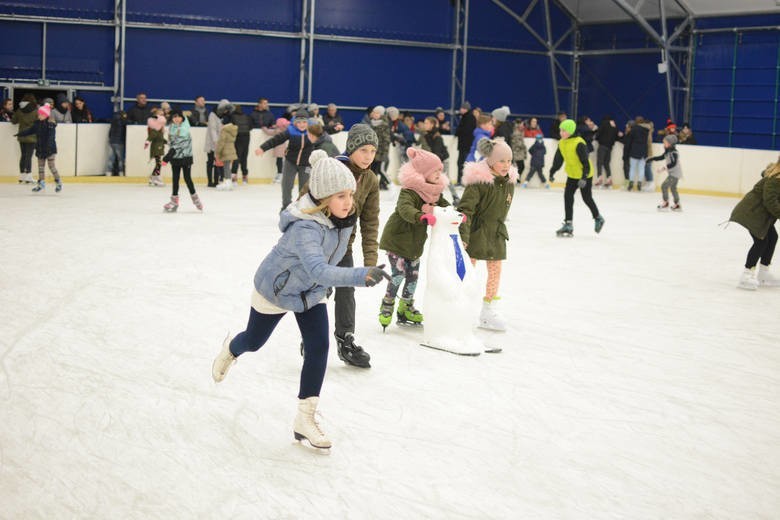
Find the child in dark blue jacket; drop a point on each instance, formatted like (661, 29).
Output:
(297, 155)
(296, 276)
(45, 130)
(537, 151)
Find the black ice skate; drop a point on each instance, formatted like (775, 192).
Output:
(350, 353)
(567, 230)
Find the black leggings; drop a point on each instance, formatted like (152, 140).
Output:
(520, 167)
(25, 162)
(177, 169)
(313, 325)
(242, 150)
(762, 249)
(603, 156)
(587, 197)
(210, 173)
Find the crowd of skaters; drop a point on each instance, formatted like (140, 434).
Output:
(339, 190)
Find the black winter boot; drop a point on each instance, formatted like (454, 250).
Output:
(351, 353)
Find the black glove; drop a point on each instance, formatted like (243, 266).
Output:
(582, 183)
(552, 176)
(375, 275)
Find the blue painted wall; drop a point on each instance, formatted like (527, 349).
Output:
(171, 64)
(736, 84)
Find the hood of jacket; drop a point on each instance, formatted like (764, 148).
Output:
(294, 132)
(325, 138)
(480, 173)
(294, 212)
(230, 129)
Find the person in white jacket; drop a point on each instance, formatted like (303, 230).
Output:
(212, 136)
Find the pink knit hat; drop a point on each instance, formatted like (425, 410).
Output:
(44, 110)
(282, 123)
(425, 163)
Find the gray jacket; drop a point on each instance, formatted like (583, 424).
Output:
(59, 117)
(212, 132)
(301, 267)
(672, 158)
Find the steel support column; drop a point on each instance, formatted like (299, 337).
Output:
(303, 64)
(123, 30)
(116, 98)
(551, 55)
(43, 50)
(459, 51)
(312, 6)
(667, 60)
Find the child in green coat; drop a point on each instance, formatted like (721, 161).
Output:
(404, 235)
(490, 187)
(155, 141)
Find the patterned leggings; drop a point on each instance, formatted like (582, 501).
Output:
(493, 278)
(157, 165)
(402, 269)
(52, 167)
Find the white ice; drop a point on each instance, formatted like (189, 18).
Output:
(636, 381)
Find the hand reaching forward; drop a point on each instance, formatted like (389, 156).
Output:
(375, 275)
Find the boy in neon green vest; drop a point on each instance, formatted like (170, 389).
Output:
(573, 151)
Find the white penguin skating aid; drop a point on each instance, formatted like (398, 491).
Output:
(451, 291)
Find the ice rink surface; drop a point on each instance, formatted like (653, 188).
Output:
(636, 381)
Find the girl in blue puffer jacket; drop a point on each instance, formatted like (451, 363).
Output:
(296, 276)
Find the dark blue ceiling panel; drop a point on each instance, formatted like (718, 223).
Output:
(180, 65)
(92, 61)
(277, 15)
(431, 21)
(520, 81)
(363, 75)
(23, 59)
(491, 26)
(89, 9)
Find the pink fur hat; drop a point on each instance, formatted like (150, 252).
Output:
(425, 163)
(44, 110)
(282, 123)
(156, 123)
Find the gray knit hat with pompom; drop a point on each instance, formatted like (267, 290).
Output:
(328, 176)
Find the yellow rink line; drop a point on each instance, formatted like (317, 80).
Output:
(687, 191)
(99, 179)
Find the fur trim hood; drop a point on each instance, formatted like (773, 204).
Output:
(480, 173)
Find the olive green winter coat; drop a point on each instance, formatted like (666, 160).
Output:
(486, 202)
(157, 142)
(367, 209)
(760, 208)
(25, 118)
(404, 234)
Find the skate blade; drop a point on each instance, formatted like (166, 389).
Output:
(493, 350)
(482, 327)
(306, 443)
(408, 325)
(441, 349)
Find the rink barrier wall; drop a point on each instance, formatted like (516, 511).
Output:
(83, 151)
